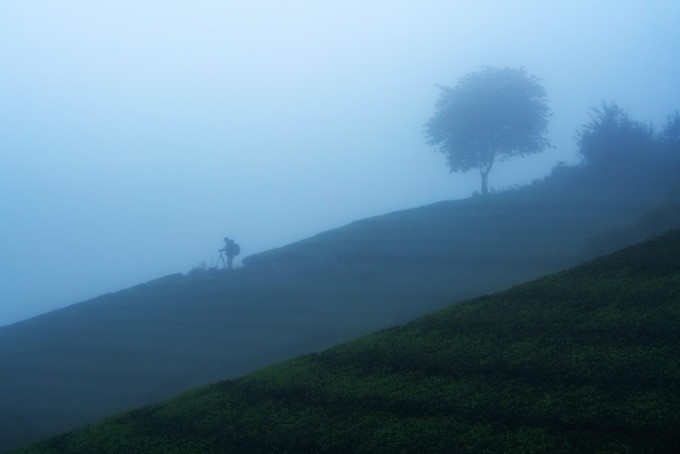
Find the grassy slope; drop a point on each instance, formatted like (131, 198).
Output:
(144, 344)
(582, 360)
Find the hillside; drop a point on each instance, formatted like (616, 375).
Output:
(580, 361)
(144, 344)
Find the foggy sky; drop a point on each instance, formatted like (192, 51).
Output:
(135, 135)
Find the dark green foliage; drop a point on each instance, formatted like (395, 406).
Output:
(150, 342)
(581, 361)
(492, 114)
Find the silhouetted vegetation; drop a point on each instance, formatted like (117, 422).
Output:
(618, 150)
(491, 115)
(581, 361)
(611, 140)
(147, 343)
(670, 138)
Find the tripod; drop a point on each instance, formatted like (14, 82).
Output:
(224, 264)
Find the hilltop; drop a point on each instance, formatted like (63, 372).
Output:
(582, 360)
(147, 343)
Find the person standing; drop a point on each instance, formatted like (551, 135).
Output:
(231, 249)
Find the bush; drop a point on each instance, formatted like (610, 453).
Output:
(612, 143)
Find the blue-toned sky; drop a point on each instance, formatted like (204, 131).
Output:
(135, 135)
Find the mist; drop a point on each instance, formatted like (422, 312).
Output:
(134, 136)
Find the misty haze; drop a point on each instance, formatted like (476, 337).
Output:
(181, 178)
(136, 136)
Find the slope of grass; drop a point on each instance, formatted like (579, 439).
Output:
(582, 360)
(147, 343)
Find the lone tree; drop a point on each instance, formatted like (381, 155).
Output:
(491, 115)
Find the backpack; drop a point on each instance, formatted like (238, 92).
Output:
(234, 248)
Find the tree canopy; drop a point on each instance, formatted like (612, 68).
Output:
(492, 114)
(618, 150)
(670, 134)
(612, 142)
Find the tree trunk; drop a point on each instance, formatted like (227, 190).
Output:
(484, 172)
(485, 182)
